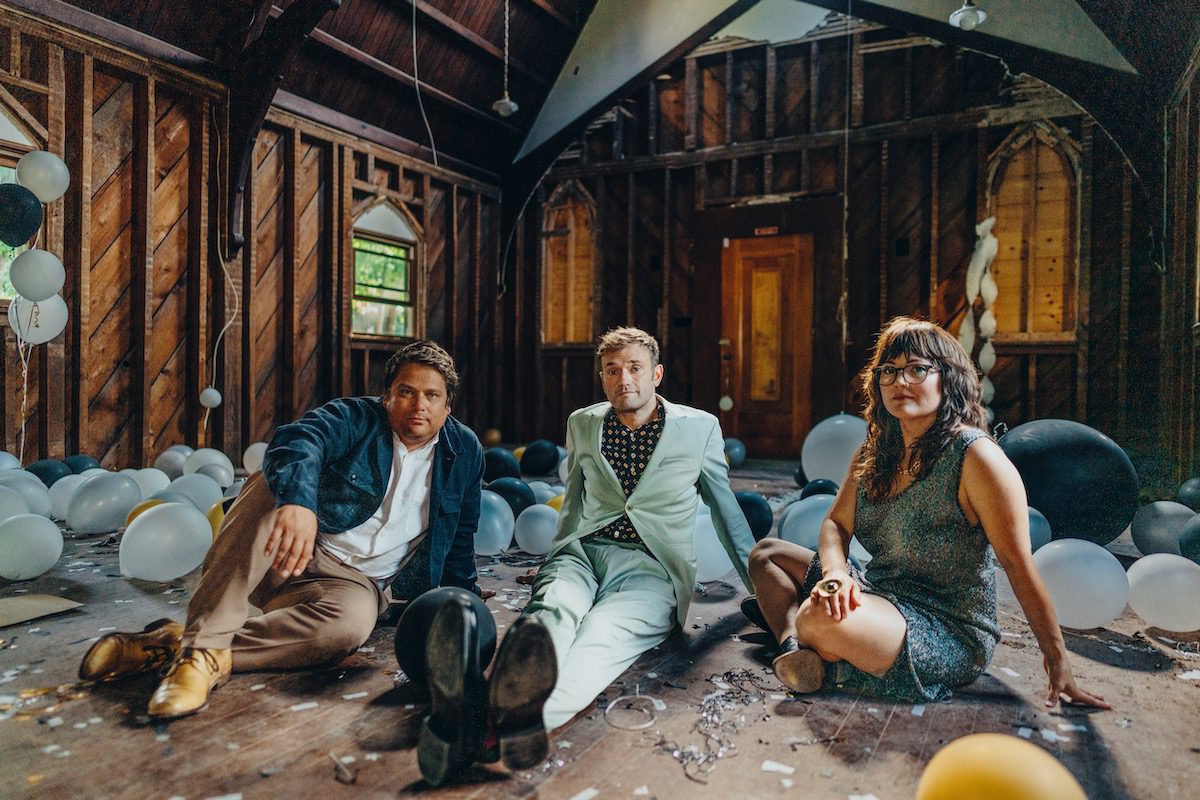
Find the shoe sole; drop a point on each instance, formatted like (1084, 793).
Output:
(801, 670)
(448, 735)
(525, 674)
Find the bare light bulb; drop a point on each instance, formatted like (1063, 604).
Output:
(505, 106)
(968, 17)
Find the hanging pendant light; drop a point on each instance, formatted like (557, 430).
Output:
(505, 106)
(968, 17)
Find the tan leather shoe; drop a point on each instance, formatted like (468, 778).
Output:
(117, 655)
(798, 667)
(195, 673)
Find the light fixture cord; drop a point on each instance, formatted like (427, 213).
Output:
(506, 48)
(417, 86)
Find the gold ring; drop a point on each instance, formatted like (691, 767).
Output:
(829, 587)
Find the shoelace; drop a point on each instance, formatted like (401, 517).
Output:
(196, 655)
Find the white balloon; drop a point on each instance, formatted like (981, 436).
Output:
(151, 480)
(725, 403)
(30, 487)
(543, 491)
(801, 521)
(1086, 582)
(252, 458)
(12, 503)
(988, 289)
(219, 473)
(236, 488)
(8, 461)
(830, 445)
(29, 545)
(987, 324)
(535, 529)
(37, 323)
(90, 471)
(495, 531)
(712, 561)
(202, 490)
(130, 471)
(171, 463)
(44, 174)
(966, 331)
(210, 398)
(62, 492)
(102, 503)
(987, 389)
(165, 542)
(858, 551)
(1164, 590)
(206, 455)
(987, 356)
(562, 471)
(37, 275)
(181, 448)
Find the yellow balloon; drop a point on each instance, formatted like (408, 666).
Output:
(520, 451)
(140, 507)
(996, 766)
(492, 437)
(556, 502)
(216, 514)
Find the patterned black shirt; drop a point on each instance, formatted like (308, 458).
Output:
(628, 452)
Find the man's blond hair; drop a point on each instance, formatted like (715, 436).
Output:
(620, 338)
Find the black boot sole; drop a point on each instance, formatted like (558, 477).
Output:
(525, 673)
(452, 734)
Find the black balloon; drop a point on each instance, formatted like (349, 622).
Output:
(1189, 494)
(499, 463)
(758, 513)
(1189, 539)
(818, 486)
(413, 629)
(20, 214)
(49, 470)
(1076, 476)
(515, 492)
(80, 462)
(540, 457)
(801, 480)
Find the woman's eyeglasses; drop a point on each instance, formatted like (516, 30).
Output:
(913, 373)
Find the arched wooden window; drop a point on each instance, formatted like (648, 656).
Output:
(1033, 192)
(387, 289)
(15, 142)
(568, 265)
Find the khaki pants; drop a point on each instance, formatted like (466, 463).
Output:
(318, 618)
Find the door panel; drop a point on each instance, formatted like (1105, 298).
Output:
(766, 345)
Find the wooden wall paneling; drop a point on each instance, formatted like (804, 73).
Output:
(646, 248)
(1123, 316)
(814, 86)
(956, 216)
(770, 79)
(678, 298)
(935, 311)
(1105, 347)
(612, 205)
(439, 263)
(908, 238)
(884, 230)
(1083, 288)
(265, 295)
(345, 277)
(107, 352)
(856, 99)
(791, 90)
(664, 255)
(315, 334)
(291, 352)
(866, 249)
(730, 100)
(53, 361)
(77, 257)
(691, 104)
(712, 102)
(198, 371)
(484, 307)
(631, 211)
(833, 84)
(142, 247)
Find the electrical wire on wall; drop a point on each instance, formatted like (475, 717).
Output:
(223, 256)
(417, 85)
(843, 302)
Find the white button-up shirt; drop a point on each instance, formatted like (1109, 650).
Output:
(377, 546)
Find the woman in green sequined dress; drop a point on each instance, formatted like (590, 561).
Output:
(936, 502)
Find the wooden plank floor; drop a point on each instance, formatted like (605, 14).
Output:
(270, 735)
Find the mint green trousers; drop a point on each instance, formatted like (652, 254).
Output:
(604, 604)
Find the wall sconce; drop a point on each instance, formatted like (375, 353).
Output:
(968, 17)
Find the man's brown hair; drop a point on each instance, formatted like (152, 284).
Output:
(426, 353)
(620, 338)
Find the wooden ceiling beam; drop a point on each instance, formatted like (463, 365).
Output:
(471, 37)
(545, 6)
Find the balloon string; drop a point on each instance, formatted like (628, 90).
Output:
(237, 300)
(23, 351)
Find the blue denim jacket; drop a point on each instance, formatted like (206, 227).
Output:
(336, 461)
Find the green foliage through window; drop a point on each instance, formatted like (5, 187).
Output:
(383, 288)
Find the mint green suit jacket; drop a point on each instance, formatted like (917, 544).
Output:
(688, 463)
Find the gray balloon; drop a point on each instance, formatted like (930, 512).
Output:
(1156, 526)
(171, 462)
(29, 486)
(9, 461)
(218, 472)
(202, 490)
(11, 503)
(170, 496)
(102, 503)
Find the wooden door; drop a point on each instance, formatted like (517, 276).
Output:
(766, 344)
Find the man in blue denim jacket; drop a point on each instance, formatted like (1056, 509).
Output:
(349, 494)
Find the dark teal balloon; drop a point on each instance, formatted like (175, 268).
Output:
(818, 486)
(80, 462)
(499, 463)
(515, 492)
(49, 470)
(540, 458)
(758, 513)
(20, 214)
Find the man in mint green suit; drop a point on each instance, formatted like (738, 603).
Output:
(622, 567)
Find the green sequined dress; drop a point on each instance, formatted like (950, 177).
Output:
(939, 571)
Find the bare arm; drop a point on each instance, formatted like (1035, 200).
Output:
(995, 496)
(834, 545)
